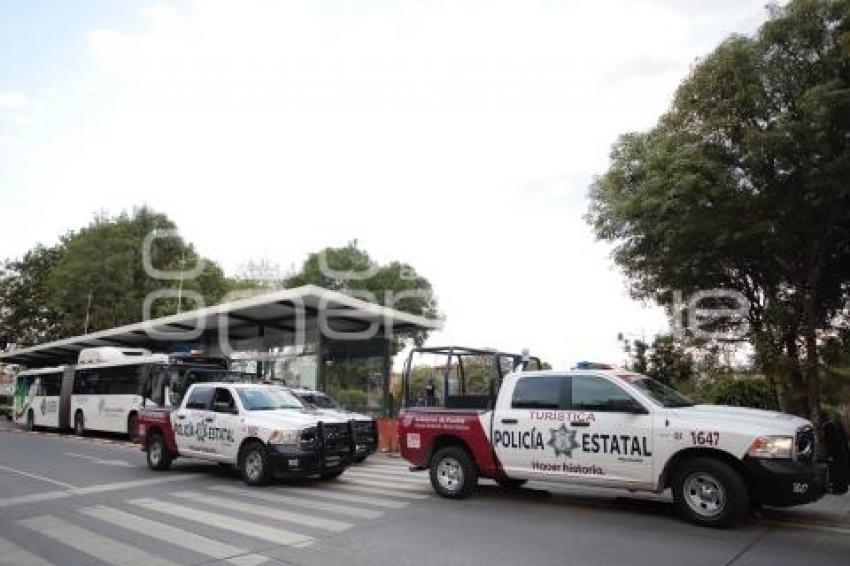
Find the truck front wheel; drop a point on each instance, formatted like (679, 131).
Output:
(710, 493)
(159, 458)
(254, 464)
(453, 473)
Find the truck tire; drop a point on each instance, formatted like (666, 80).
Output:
(453, 473)
(133, 427)
(511, 483)
(79, 423)
(159, 458)
(30, 422)
(710, 493)
(254, 464)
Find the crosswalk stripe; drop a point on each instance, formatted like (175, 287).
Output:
(89, 542)
(247, 528)
(387, 467)
(321, 492)
(398, 494)
(13, 555)
(401, 488)
(417, 480)
(265, 495)
(267, 512)
(168, 533)
(388, 473)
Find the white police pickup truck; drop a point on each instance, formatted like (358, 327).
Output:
(365, 427)
(613, 428)
(262, 429)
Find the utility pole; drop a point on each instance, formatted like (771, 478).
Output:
(180, 286)
(88, 311)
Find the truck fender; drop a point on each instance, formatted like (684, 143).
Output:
(448, 440)
(666, 475)
(168, 437)
(245, 442)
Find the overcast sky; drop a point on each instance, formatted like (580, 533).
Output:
(460, 137)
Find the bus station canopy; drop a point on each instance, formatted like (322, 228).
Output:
(288, 310)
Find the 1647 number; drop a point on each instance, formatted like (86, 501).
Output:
(705, 438)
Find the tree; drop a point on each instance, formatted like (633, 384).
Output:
(350, 269)
(45, 295)
(743, 185)
(26, 312)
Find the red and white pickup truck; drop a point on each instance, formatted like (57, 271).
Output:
(600, 426)
(263, 430)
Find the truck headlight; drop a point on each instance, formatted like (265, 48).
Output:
(772, 447)
(284, 437)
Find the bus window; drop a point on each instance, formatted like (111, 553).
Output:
(51, 385)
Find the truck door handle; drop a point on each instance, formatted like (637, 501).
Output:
(181, 417)
(209, 419)
(579, 424)
(509, 421)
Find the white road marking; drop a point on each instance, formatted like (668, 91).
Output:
(13, 555)
(419, 481)
(94, 460)
(404, 489)
(170, 534)
(89, 542)
(274, 497)
(351, 497)
(386, 473)
(33, 498)
(37, 477)
(118, 486)
(387, 467)
(398, 494)
(267, 512)
(100, 488)
(224, 522)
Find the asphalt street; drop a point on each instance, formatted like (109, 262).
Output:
(69, 501)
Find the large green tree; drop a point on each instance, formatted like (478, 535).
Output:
(744, 184)
(96, 275)
(350, 269)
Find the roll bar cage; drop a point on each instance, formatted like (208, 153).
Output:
(463, 400)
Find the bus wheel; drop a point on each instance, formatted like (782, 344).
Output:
(133, 427)
(159, 458)
(79, 424)
(30, 422)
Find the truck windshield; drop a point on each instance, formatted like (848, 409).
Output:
(320, 401)
(267, 399)
(657, 391)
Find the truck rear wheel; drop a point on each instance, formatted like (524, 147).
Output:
(710, 493)
(159, 458)
(254, 464)
(453, 473)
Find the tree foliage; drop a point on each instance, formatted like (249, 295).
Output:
(744, 184)
(394, 284)
(46, 294)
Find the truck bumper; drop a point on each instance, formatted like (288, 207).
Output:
(294, 462)
(784, 483)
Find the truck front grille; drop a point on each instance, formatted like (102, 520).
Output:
(336, 437)
(365, 433)
(804, 445)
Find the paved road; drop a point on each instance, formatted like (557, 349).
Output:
(68, 501)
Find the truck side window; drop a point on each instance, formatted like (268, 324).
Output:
(539, 392)
(591, 393)
(223, 401)
(200, 398)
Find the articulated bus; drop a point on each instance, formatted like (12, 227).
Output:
(105, 389)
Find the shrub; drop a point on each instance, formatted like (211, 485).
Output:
(352, 398)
